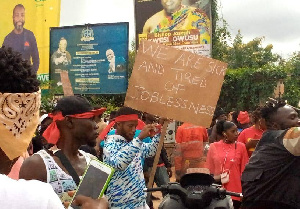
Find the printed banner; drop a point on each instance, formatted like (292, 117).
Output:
(175, 84)
(184, 24)
(25, 27)
(95, 56)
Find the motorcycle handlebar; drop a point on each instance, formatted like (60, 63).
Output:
(220, 191)
(235, 194)
(153, 189)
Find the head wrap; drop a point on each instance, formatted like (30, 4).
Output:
(52, 133)
(121, 118)
(243, 117)
(19, 118)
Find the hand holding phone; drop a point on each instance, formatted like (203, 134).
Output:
(94, 181)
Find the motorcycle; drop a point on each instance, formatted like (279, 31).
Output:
(195, 191)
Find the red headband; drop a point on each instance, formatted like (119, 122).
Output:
(121, 118)
(52, 133)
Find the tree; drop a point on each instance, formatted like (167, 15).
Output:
(251, 54)
(292, 83)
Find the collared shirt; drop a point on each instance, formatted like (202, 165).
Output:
(125, 190)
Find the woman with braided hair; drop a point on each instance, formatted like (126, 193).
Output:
(226, 159)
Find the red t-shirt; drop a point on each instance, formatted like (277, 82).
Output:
(189, 147)
(250, 133)
(236, 160)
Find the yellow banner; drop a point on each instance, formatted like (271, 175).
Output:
(29, 22)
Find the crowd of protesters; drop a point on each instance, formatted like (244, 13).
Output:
(255, 153)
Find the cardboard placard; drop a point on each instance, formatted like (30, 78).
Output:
(175, 84)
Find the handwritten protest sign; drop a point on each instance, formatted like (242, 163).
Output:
(176, 84)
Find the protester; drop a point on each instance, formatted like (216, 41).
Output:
(212, 131)
(271, 179)
(23, 40)
(243, 121)
(124, 153)
(189, 148)
(17, 85)
(38, 141)
(251, 136)
(227, 158)
(73, 125)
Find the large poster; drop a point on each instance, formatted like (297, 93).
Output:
(175, 84)
(25, 27)
(95, 56)
(183, 24)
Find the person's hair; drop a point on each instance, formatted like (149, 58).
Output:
(18, 5)
(223, 125)
(126, 111)
(256, 115)
(269, 109)
(235, 115)
(72, 105)
(15, 73)
(218, 112)
(62, 38)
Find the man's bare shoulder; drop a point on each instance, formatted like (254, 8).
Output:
(153, 21)
(33, 168)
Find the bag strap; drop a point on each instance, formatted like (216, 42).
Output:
(66, 163)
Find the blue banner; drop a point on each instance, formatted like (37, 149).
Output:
(95, 56)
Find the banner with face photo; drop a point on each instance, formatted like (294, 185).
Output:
(95, 57)
(25, 27)
(183, 24)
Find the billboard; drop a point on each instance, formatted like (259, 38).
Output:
(94, 55)
(183, 24)
(25, 27)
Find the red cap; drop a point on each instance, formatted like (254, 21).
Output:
(243, 117)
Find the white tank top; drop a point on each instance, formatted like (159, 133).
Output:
(60, 181)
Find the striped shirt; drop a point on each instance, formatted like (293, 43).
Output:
(125, 190)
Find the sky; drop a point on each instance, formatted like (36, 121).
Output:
(276, 20)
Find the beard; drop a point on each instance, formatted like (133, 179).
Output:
(91, 143)
(18, 26)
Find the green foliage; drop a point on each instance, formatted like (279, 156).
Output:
(220, 34)
(48, 95)
(251, 54)
(245, 88)
(131, 58)
(292, 83)
(111, 102)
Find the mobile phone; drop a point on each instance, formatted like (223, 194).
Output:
(94, 181)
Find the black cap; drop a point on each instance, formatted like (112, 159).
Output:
(72, 105)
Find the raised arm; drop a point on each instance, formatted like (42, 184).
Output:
(120, 158)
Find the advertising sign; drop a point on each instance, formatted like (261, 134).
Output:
(183, 24)
(25, 28)
(95, 56)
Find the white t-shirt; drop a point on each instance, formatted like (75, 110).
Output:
(27, 194)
